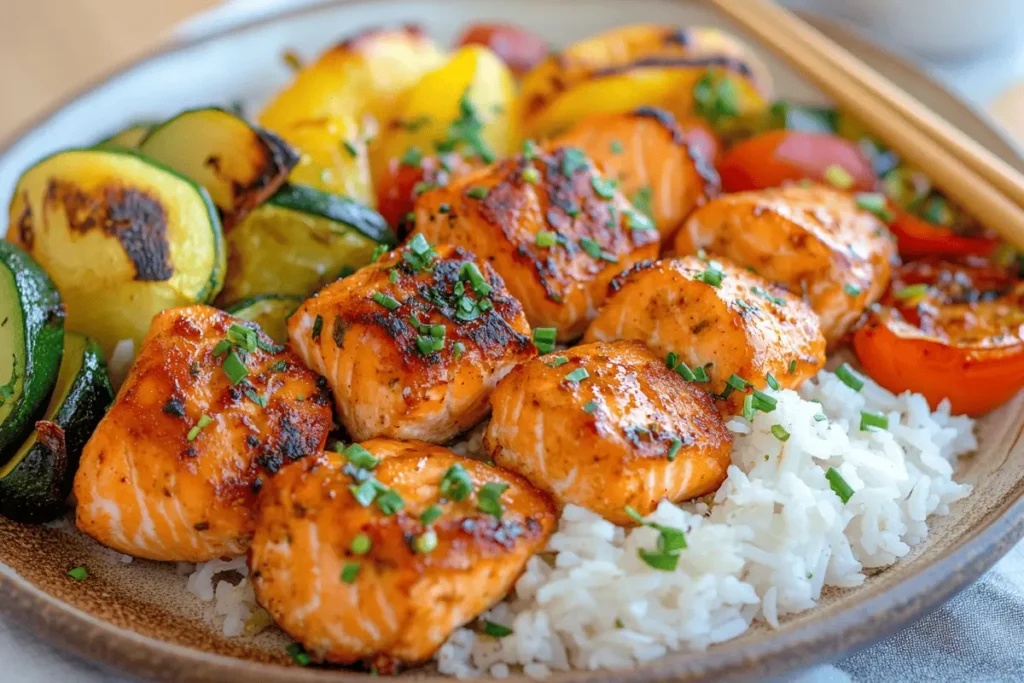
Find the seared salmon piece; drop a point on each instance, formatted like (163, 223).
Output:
(210, 410)
(413, 344)
(550, 224)
(604, 426)
(716, 320)
(378, 553)
(814, 240)
(656, 165)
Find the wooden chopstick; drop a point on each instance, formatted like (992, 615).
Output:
(984, 185)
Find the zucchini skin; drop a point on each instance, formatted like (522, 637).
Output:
(336, 208)
(42, 312)
(35, 488)
(257, 309)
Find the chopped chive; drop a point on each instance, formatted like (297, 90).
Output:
(242, 337)
(389, 502)
(531, 175)
(458, 348)
(234, 368)
(839, 177)
(456, 484)
(477, 192)
(258, 399)
(590, 407)
(471, 272)
(431, 515)
(852, 290)
(673, 448)
(298, 654)
(78, 573)
(365, 493)
(557, 362)
(671, 360)
(792, 367)
(544, 339)
(638, 221)
(869, 419)
(777, 300)
(748, 407)
(912, 291)
(591, 247)
(820, 417)
(350, 148)
(350, 571)
(573, 160)
(603, 187)
(393, 276)
(839, 485)
(222, 347)
(764, 402)
(425, 542)
(529, 150)
(378, 251)
(496, 630)
(665, 562)
(412, 157)
(772, 382)
(427, 345)
(737, 382)
(876, 203)
(848, 377)
(780, 433)
(386, 301)
(616, 147)
(700, 374)
(577, 375)
(546, 238)
(204, 420)
(360, 544)
(488, 498)
(710, 276)
(360, 457)
(684, 371)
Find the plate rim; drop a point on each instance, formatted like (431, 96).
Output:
(852, 628)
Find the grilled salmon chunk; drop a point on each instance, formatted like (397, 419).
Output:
(378, 553)
(413, 344)
(814, 240)
(655, 165)
(209, 411)
(608, 425)
(714, 319)
(554, 228)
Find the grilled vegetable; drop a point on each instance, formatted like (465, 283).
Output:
(948, 330)
(333, 156)
(361, 76)
(780, 156)
(35, 482)
(298, 241)
(466, 106)
(122, 237)
(518, 48)
(269, 311)
(31, 339)
(129, 138)
(697, 70)
(239, 165)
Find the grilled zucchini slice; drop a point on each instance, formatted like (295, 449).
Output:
(129, 138)
(122, 238)
(270, 312)
(35, 482)
(298, 241)
(238, 164)
(31, 339)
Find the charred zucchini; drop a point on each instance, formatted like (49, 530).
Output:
(129, 138)
(31, 339)
(238, 164)
(270, 312)
(298, 241)
(36, 481)
(122, 237)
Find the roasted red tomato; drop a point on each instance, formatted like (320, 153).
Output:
(699, 136)
(410, 176)
(948, 329)
(518, 48)
(917, 238)
(778, 156)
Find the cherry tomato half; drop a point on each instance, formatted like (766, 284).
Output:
(518, 48)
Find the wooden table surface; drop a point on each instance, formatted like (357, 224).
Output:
(51, 48)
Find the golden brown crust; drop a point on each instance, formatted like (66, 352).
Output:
(403, 602)
(498, 212)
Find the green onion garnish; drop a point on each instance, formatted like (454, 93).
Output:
(298, 653)
(78, 573)
(673, 448)
(558, 361)
(431, 515)
(350, 571)
(386, 301)
(360, 457)
(577, 375)
(748, 407)
(456, 484)
(616, 147)
(876, 203)
(772, 382)
(671, 360)
(839, 485)
(234, 368)
(604, 188)
(792, 367)
(780, 433)
(684, 371)
(360, 544)
(590, 407)
(389, 502)
(242, 337)
(665, 562)
(544, 339)
(848, 377)
(737, 382)
(869, 419)
(378, 251)
(764, 402)
(839, 177)
(458, 348)
(819, 417)
(488, 498)
(546, 238)
(496, 630)
(531, 175)
(710, 276)
(204, 420)
(412, 157)
(471, 272)
(477, 192)
(365, 492)
(425, 542)
(912, 291)
(700, 374)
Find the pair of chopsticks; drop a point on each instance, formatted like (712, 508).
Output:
(986, 186)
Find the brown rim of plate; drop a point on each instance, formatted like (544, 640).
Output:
(853, 628)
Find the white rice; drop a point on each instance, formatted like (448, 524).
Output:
(772, 538)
